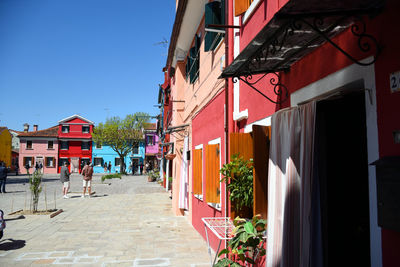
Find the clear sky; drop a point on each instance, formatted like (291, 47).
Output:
(95, 58)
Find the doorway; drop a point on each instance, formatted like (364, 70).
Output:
(342, 166)
(75, 165)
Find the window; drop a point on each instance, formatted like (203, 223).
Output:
(65, 129)
(198, 173)
(98, 162)
(214, 14)
(28, 144)
(64, 145)
(99, 145)
(135, 149)
(85, 145)
(84, 161)
(50, 162)
(50, 144)
(117, 162)
(85, 129)
(28, 161)
(192, 61)
(61, 161)
(150, 140)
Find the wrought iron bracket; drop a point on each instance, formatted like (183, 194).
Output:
(279, 90)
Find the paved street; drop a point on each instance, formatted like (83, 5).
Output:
(128, 222)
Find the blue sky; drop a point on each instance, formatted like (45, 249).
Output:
(95, 58)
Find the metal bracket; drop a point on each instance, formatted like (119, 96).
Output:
(280, 89)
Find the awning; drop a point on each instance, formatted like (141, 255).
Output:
(298, 28)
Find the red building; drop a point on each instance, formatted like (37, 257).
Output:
(75, 142)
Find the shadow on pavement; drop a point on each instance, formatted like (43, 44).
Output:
(11, 244)
(13, 219)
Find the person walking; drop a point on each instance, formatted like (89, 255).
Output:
(64, 178)
(87, 173)
(36, 166)
(105, 167)
(3, 177)
(40, 167)
(109, 167)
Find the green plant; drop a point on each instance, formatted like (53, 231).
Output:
(110, 176)
(238, 175)
(246, 245)
(35, 185)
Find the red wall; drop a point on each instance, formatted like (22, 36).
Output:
(315, 66)
(208, 125)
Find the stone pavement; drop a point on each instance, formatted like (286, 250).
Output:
(128, 222)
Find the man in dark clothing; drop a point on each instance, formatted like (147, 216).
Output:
(64, 178)
(3, 177)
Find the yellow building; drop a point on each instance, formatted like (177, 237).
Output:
(5, 146)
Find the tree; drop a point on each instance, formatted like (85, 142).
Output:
(121, 134)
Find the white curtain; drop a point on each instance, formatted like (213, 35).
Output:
(183, 182)
(290, 187)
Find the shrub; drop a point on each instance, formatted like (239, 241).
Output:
(110, 176)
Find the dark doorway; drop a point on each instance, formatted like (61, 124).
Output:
(341, 160)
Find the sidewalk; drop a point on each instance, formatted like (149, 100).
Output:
(127, 223)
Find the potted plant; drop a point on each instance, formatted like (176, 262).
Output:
(238, 176)
(247, 245)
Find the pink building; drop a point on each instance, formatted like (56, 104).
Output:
(151, 145)
(38, 146)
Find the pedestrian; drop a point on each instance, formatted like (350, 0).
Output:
(40, 167)
(87, 173)
(36, 166)
(109, 167)
(64, 178)
(3, 177)
(16, 169)
(105, 167)
(141, 168)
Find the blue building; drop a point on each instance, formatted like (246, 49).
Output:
(104, 154)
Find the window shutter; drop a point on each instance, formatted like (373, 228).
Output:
(187, 67)
(198, 172)
(212, 16)
(212, 174)
(192, 71)
(241, 6)
(223, 12)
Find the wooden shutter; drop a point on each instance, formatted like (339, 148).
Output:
(198, 171)
(212, 174)
(242, 144)
(241, 6)
(261, 137)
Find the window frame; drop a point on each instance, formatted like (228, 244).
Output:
(31, 161)
(84, 127)
(88, 145)
(115, 162)
(52, 144)
(61, 161)
(29, 146)
(64, 142)
(46, 162)
(101, 161)
(65, 127)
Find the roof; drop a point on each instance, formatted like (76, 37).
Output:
(150, 126)
(49, 132)
(73, 117)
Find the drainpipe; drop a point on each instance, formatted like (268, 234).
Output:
(226, 120)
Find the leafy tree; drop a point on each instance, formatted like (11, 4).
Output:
(35, 185)
(121, 134)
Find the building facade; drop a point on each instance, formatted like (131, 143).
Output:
(5, 146)
(38, 147)
(151, 146)
(104, 154)
(75, 142)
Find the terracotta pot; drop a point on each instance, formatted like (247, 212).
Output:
(170, 156)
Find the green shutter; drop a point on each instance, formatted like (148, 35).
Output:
(212, 16)
(192, 71)
(223, 12)
(187, 67)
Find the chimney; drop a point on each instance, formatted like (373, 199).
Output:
(35, 127)
(26, 127)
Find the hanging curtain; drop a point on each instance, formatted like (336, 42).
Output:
(183, 182)
(290, 181)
